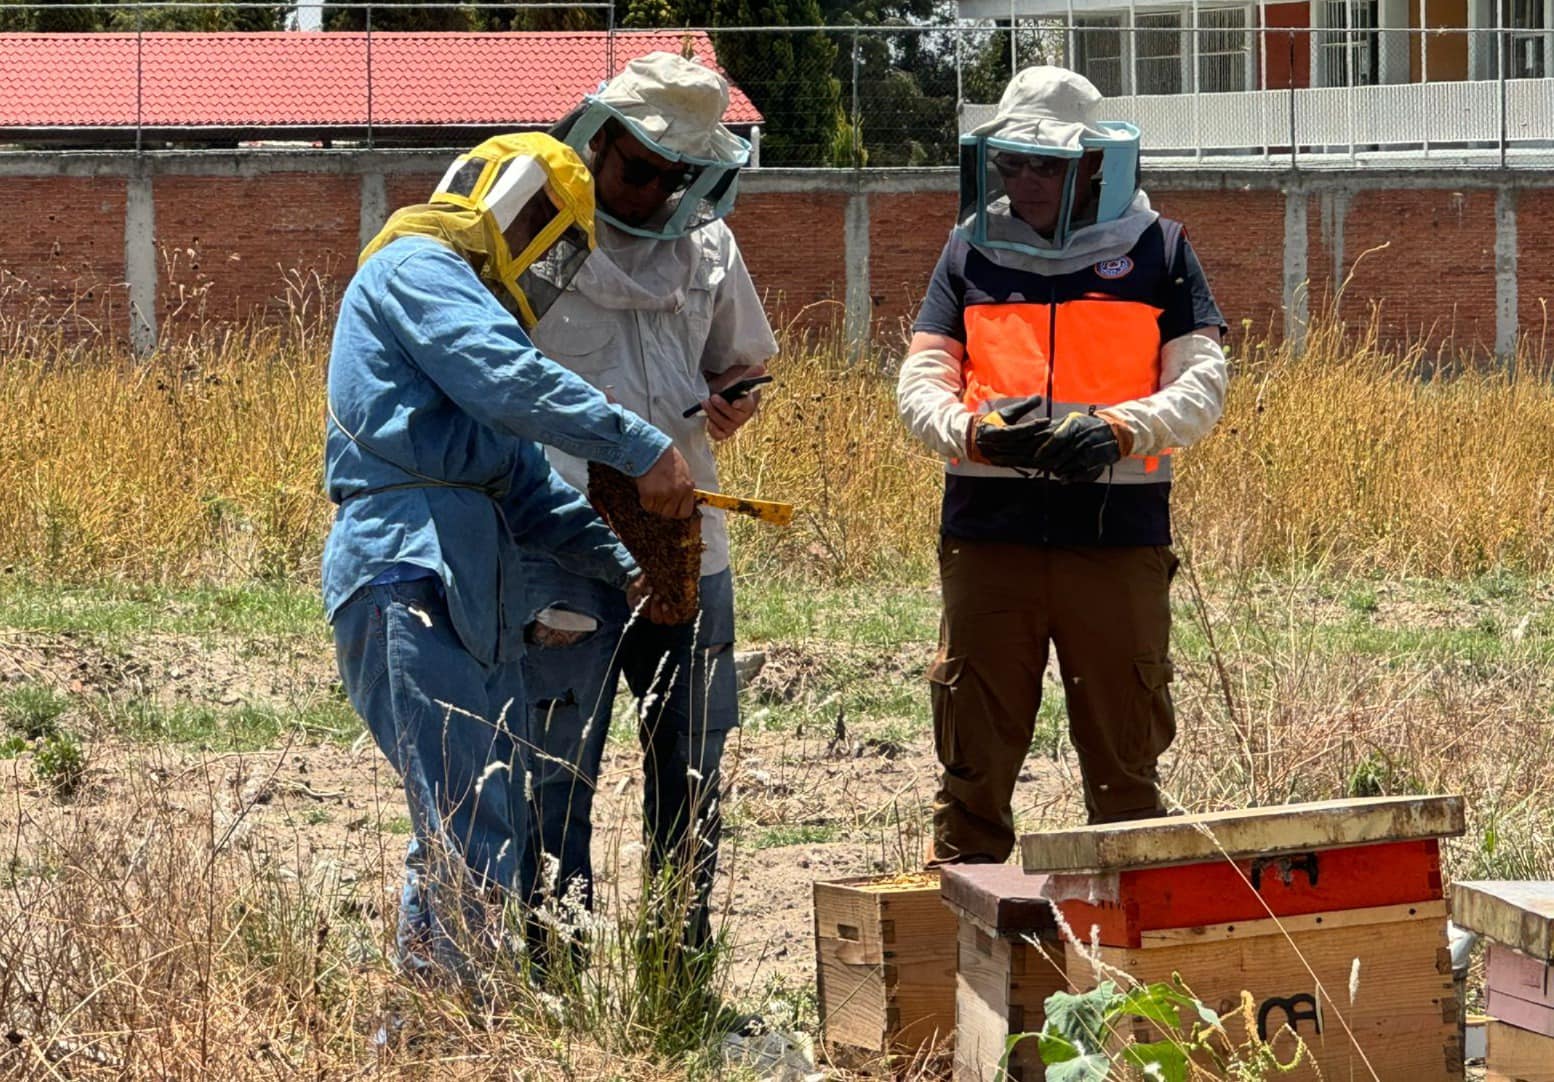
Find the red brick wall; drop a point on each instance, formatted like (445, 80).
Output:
(1239, 238)
(906, 234)
(227, 243)
(793, 244)
(1428, 257)
(1535, 265)
(62, 255)
(405, 189)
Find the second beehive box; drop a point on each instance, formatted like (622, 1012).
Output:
(885, 963)
(1517, 918)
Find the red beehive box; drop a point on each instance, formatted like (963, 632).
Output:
(1330, 915)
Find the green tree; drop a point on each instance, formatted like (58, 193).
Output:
(48, 17)
(53, 17)
(397, 15)
(789, 76)
(128, 15)
(571, 19)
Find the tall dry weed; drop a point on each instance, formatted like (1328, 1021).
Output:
(204, 460)
(166, 936)
(1359, 455)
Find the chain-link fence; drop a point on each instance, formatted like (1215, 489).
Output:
(1201, 83)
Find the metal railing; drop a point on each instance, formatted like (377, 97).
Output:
(1200, 86)
(1406, 97)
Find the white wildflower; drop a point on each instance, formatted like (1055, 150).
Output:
(1354, 981)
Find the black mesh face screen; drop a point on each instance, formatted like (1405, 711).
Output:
(463, 182)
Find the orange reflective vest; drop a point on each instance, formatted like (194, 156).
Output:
(1094, 343)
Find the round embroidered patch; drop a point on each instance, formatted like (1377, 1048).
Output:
(1113, 269)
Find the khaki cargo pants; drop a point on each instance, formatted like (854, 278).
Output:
(1107, 610)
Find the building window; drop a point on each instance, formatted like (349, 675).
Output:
(1349, 43)
(1525, 21)
(1224, 44)
(1098, 52)
(1159, 47)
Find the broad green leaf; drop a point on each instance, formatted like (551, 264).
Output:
(1160, 1061)
(1095, 1067)
(1159, 1003)
(1054, 1047)
(1082, 1019)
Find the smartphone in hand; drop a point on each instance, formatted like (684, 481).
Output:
(733, 392)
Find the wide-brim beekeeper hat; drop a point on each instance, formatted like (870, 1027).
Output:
(1051, 107)
(674, 107)
(480, 196)
(1051, 112)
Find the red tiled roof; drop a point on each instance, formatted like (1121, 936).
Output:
(313, 79)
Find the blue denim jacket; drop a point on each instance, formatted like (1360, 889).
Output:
(438, 403)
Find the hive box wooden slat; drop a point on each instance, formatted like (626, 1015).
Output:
(885, 964)
(1002, 979)
(1291, 828)
(1520, 989)
(1403, 1014)
(1518, 920)
(1518, 915)
(1514, 1055)
(1280, 903)
(1123, 907)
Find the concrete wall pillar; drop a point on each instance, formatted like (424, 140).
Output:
(1505, 273)
(1335, 210)
(859, 302)
(1297, 277)
(140, 262)
(374, 207)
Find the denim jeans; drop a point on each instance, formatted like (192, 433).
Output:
(684, 682)
(454, 731)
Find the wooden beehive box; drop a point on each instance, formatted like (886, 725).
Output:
(1003, 979)
(885, 963)
(1518, 921)
(1331, 915)
(1517, 1055)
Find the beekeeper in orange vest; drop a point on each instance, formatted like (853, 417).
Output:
(1068, 343)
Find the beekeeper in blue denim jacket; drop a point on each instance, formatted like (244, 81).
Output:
(438, 403)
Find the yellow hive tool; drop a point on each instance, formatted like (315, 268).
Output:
(778, 514)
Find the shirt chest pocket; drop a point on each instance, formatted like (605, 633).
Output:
(697, 317)
(579, 339)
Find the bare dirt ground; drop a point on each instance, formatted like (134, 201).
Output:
(822, 798)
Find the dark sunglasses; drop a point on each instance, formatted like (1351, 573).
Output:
(639, 173)
(1011, 165)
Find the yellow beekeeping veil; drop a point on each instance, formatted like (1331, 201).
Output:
(483, 193)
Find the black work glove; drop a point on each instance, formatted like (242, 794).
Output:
(1080, 448)
(1011, 435)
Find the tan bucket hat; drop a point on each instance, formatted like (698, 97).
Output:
(1052, 108)
(678, 104)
